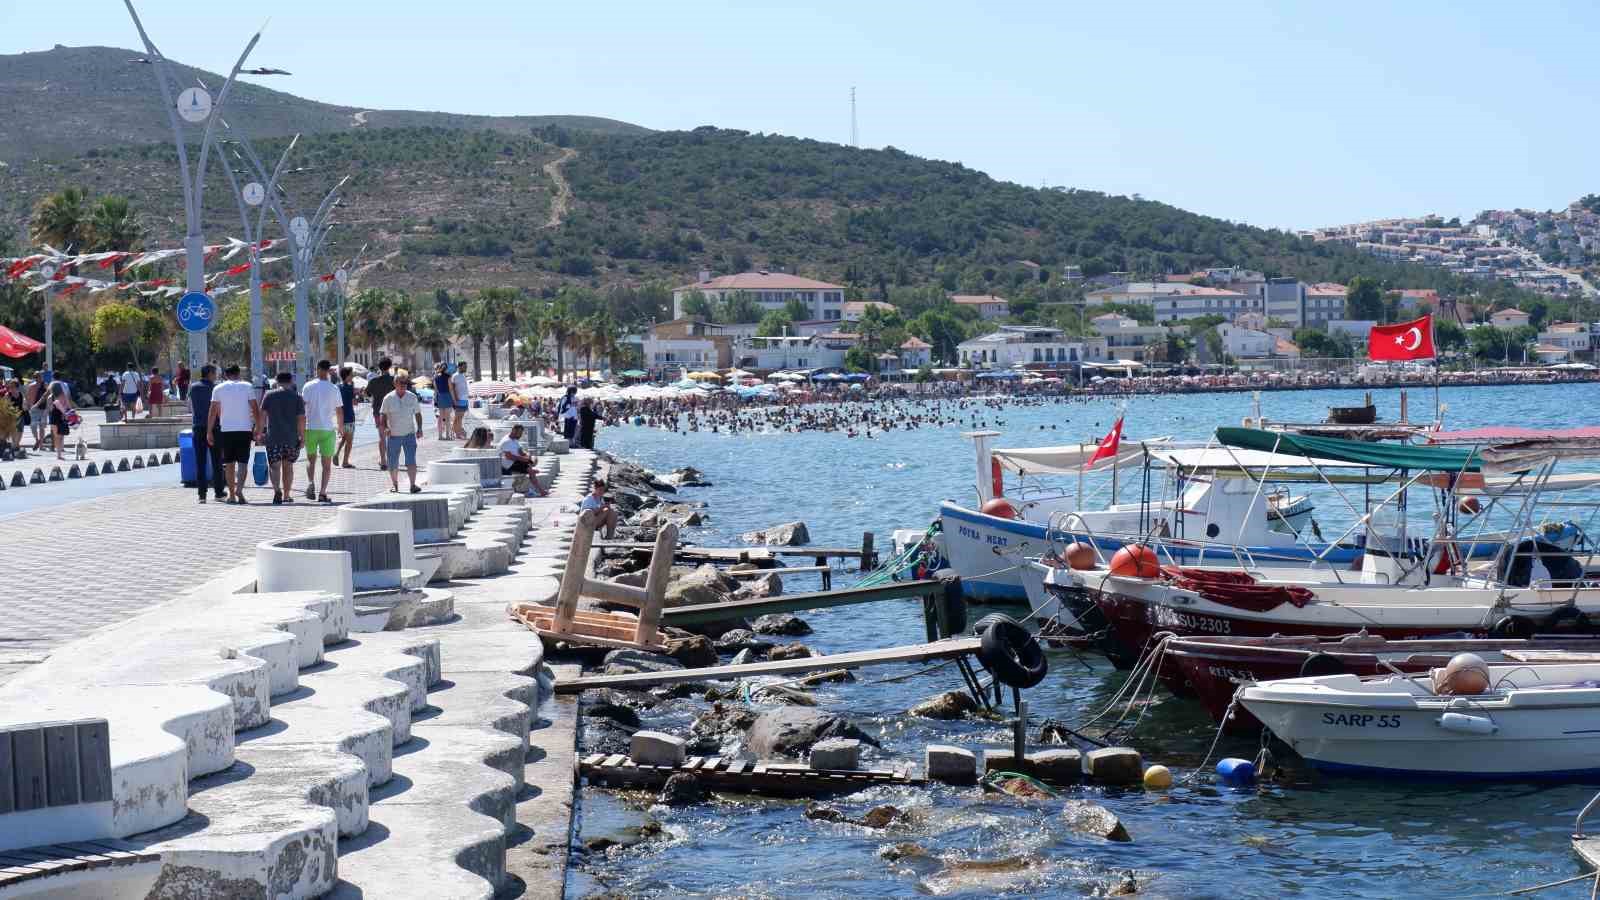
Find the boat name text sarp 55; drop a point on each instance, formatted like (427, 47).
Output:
(1361, 720)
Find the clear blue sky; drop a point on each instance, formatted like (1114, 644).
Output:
(1278, 114)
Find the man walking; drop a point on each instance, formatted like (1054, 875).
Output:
(347, 416)
(284, 429)
(323, 410)
(234, 413)
(130, 391)
(400, 418)
(567, 412)
(378, 387)
(458, 399)
(206, 443)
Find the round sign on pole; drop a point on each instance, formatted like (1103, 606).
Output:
(196, 310)
(300, 228)
(342, 277)
(48, 270)
(194, 105)
(254, 193)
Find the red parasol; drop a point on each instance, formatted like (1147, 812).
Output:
(16, 345)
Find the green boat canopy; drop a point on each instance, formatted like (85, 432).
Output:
(1388, 456)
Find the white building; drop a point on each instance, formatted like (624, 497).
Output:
(1127, 340)
(1191, 302)
(1356, 329)
(1246, 343)
(1507, 319)
(988, 305)
(1017, 345)
(915, 353)
(770, 290)
(1572, 337)
(855, 309)
(774, 354)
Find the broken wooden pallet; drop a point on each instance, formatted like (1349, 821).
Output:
(740, 776)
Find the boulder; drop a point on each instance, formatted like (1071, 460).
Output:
(631, 579)
(632, 662)
(615, 705)
(883, 816)
(790, 731)
(757, 588)
(682, 789)
(780, 624)
(686, 476)
(694, 651)
(790, 651)
(1114, 765)
(723, 719)
(948, 705)
(907, 850)
(699, 586)
(742, 639)
(1088, 818)
(951, 765)
(655, 748)
(836, 753)
(778, 693)
(680, 690)
(789, 534)
(684, 514)
(744, 657)
(821, 812)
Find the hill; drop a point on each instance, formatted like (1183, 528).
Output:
(63, 101)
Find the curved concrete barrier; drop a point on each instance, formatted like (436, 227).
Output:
(431, 521)
(454, 472)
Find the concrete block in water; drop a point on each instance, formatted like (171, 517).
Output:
(1114, 765)
(836, 753)
(999, 759)
(950, 764)
(1057, 766)
(654, 748)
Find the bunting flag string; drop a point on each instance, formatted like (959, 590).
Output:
(124, 260)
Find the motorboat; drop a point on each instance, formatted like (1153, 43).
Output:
(1533, 722)
(1211, 669)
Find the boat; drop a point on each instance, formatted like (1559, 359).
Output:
(1209, 498)
(1211, 669)
(1531, 723)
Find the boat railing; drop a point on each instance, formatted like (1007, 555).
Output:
(1577, 826)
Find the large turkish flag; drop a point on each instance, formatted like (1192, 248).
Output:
(16, 345)
(1402, 341)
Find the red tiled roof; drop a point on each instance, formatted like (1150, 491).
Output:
(976, 299)
(761, 281)
(915, 343)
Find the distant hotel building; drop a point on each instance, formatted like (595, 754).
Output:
(770, 290)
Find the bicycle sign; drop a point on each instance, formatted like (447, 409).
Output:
(195, 311)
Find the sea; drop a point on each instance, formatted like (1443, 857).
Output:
(1308, 835)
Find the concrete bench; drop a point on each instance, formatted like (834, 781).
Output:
(342, 563)
(143, 434)
(454, 472)
(55, 782)
(101, 868)
(430, 515)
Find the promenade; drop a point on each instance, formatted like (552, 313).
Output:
(82, 564)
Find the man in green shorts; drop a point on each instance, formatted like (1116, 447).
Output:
(323, 405)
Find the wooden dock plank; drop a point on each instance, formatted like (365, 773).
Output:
(737, 767)
(613, 760)
(946, 649)
(715, 612)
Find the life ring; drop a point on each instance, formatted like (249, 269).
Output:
(1322, 664)
(1013, 654)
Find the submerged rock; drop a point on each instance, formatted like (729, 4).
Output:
(883, 816)
(790, 651)
(780, 624)
(699, 586)
(1088, 818)
(821, 812)
(789, 534)
(742, 639)
(904, 850)
(615, 705)
(779, 693)
(682, 789)
(948, 705)
(694, 651)
(723, 719)
(790, 731)
(632, 662)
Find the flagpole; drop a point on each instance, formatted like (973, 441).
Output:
(1433, 340)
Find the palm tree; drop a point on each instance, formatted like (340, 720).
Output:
(401, 323)
(502, 305)
(433, 333)
(603, 337)
(112, 225)
(61, 221)
(560, 325)
(475, 324)
(367, 313)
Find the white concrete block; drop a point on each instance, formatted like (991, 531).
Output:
(951, 764)
(654, 748)
(836, 753)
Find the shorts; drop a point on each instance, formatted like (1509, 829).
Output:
(348, 428)
(461, 406)
(320, 442)
(57, 420)
(280, 453)
(407, 443)
(130, 400)
(236, 447)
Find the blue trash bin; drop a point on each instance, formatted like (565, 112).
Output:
(186, 457)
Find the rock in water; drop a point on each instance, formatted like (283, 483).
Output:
(780, 623)
(792, 730)
(1087, 818)
(777, 693)
(721, 720)
(905, 850)
(742, 639)
(882, 816)
(694, 651)
(682, 789)
(702, 585)
(821, 812)
(632, 662)
(948, 705)
(789, 534)
(769, 585)
(613, 705)
(790, 651)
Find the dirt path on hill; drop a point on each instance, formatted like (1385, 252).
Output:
(563, 198)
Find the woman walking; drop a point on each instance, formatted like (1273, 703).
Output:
(61, 413)
(157, 394)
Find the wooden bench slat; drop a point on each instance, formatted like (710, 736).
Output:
(737, 767)
(594, 759)
(613, 760)
(693, 763)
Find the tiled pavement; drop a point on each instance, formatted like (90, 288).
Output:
(73, 568)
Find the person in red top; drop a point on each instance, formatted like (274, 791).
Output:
(180, 380)
(157, 394)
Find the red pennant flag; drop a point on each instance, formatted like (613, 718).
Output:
(325, 278)
(1402, 341)
(1108, 444)
(268, 285)
(235, 270)
(20, 266)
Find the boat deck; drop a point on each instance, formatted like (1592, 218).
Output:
(1588, 849)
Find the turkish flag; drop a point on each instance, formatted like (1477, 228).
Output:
(16, 345)
(1402, 341)
(1108, 444)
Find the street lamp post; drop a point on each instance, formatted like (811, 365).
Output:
(254, 194)
(196, 107)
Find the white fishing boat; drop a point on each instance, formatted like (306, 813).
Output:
(1532, 722)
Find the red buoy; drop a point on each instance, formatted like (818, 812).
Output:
(1469, 505)
(1079, 556)
(999, 507)
(1135, 561)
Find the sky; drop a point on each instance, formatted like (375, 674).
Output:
(1287, 115)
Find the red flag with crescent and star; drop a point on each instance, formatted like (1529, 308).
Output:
(1402, 341)
(1108, 445)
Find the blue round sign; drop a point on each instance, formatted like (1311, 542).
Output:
(195, 311)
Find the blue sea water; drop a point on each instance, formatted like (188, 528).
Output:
(1313, 837)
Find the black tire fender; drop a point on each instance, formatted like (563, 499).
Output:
(1322, 664)
(1013, 654)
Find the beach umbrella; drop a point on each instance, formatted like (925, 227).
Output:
(490, 388)
(357, 369)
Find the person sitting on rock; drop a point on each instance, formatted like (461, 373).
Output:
(606, 514)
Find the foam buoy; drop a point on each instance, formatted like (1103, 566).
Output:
(1079, 556)
(1236, 772)
(1469, 505)
(1000, 508)
(1465, 675)
(1135, 561)
(1158, 778)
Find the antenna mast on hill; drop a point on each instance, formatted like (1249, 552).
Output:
(855, 138)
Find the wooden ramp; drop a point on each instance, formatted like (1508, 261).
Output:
(735, 609)
(739, 776)
(946, 649)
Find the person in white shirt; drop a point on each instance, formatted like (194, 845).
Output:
(130, 390)
(567, 412)
(515, 461)
(323, 407)
(234, 412)
(400, 417)
(459, 398)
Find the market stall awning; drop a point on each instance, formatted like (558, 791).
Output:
(15, 344)
(1389, 456)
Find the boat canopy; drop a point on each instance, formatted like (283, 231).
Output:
(1067, 459)
(1390, 456)
(1211, 459)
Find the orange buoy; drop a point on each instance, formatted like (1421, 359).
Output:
(1135, 561)
(999, 507)
(1080, 556)
(1469, 505)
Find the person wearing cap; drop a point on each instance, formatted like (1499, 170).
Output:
(207, 444)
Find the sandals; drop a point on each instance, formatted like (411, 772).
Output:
(324, 499)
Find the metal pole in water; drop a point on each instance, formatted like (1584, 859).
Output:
(1019, 731)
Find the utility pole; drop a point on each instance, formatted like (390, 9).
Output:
(193, 105)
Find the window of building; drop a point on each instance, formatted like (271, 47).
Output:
(1037, 356)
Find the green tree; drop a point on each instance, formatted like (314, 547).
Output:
(774, 323)
(61, 220)
(737, 308)
(696, 304)
(797, 310)
(502, 303)
(112, 225)
(858, 359)
(433, 333)
(400, 322)
(1364, 299)
(1449, 335)
(367, 313)
(119, 324)
(560, 325)
(475, 324)
(924, 374)
(942, 331)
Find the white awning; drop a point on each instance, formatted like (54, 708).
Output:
(1069, 459)
(1213, 458)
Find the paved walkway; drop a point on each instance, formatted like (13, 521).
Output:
(79, 566)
